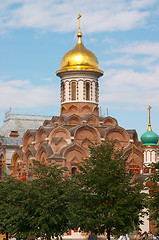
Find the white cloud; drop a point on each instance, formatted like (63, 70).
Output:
(133, 79)
(23, 94)
(144, 48)
(127, 60)
(143, 3)
(135, 55)
(111, 41)
(47, 79)
(130, 87)
(60, 16)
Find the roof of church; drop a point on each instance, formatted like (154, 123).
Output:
(20, 123)
(101, 128)
(149, 138)
(12, 141)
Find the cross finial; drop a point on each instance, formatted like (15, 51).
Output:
(79, 18)
(149, 125)
(79, 34)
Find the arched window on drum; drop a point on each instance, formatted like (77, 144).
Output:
(87, 91)
(63, 92)
(73, 90)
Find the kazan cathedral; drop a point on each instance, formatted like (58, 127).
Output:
(65, 139)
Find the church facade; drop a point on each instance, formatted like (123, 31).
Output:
(65, 139)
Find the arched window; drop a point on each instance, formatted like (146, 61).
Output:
(87, 91)
(73, 91)
(73, 171)
(30, 168)
(63, 92)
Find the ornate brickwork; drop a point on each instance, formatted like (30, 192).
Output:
(66, 140)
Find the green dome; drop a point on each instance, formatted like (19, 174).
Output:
(149, 138)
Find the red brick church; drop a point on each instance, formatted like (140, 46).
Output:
(65, 139)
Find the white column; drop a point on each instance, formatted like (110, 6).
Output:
(145, 157)
(80, 90)
(93, 92)
(154, 157)
(67, 91)
(150, 155)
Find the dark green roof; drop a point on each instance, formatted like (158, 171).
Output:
(149, 138)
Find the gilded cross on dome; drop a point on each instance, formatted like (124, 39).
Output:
(79, 18)
(149, 125)
(79, 34)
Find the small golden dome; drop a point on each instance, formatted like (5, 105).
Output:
(79, 58)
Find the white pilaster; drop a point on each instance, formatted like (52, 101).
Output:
(93, 91)
(150, 155)
(67, 91)
(80, 90)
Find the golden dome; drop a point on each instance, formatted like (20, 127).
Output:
(79, 58)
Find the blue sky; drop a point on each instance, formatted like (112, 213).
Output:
(123, 34)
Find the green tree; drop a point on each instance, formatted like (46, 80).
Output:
(52, 212)
(12, 193)
(153, 202)
(38, 207)
(105, 196)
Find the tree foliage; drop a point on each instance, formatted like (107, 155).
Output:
(105, 197)
(102, 196)
(153, 202)
(38, 207)
(11, 212)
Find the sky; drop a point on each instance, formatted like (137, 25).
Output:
(123, 34)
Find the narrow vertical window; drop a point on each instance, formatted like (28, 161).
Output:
(73, 87)
(73, 171)
(63, 92)
(87, 91)
(30, 168)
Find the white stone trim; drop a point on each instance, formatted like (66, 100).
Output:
(93, 91)
(80, 81)
(80, 89)
(67, 91)
(150, 155)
